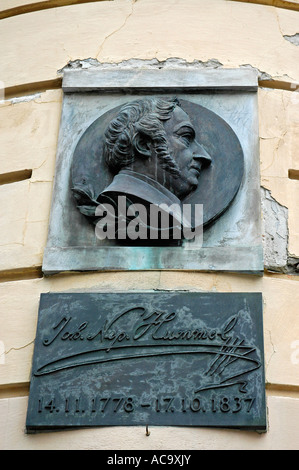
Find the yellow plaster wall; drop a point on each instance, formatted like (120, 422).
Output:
(233, 33)
(33, 47)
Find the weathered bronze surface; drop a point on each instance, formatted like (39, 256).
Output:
(158, 151)
(210, 133)
(171, 358)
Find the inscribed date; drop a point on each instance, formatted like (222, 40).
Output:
(167, 404)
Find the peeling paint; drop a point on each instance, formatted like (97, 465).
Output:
(261, 75)
(293, 265)
(139, 63)
(155, 63)
(294, 39)
(24, 99)
(276, 236)
(264, 78)
(275, 232)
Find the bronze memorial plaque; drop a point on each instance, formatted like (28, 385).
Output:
(148, 358)
(157, 170)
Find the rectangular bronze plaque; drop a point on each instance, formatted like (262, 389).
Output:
(159, 358)
(206, 173)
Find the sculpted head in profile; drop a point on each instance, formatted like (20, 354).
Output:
(151, 148)
(155, 161)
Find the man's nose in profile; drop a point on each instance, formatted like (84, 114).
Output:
(201, 156)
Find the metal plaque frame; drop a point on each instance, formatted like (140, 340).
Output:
(148, 358)
(232, 243)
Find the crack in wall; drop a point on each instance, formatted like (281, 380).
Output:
(272, 354)
(118, 29)
(19, 348)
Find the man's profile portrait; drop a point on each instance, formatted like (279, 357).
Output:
(166, 154)
(153, 140)
(151, 150)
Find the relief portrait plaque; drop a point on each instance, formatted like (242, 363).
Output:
(157, 170)
(154, 358)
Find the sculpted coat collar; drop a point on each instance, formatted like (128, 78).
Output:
(130, 183)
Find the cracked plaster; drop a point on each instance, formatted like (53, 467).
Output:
(275, 232)
(139, 64)
(155, 63)
(276, 236)
(120, 30)
(294, 39)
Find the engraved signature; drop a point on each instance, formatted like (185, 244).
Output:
(152, 322)
(153, 334)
